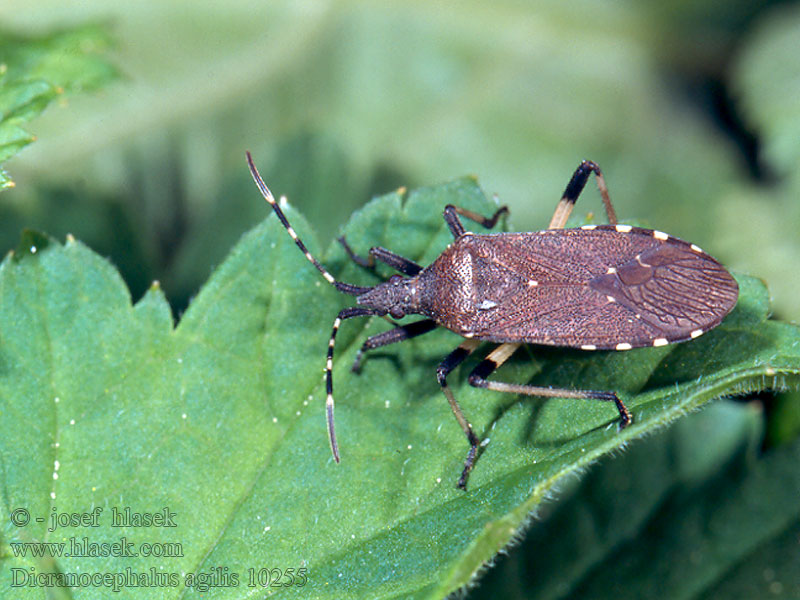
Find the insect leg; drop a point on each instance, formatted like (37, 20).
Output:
(454, 223)
(478, 379)
(455, 358)
(397, 262)
(347, 313)
(574, 189)
(399, 334)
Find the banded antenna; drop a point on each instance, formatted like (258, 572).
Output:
(347, 313)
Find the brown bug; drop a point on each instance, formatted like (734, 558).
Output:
(596, 287)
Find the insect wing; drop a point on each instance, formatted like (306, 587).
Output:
(604, 287)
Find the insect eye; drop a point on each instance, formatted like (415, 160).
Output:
(397, 313)
(395, 279)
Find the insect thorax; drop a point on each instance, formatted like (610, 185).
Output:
(459, 285)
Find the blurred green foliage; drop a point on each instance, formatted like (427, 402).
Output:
(690, 110)
(35, 70)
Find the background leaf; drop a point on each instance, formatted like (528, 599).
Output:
(221, 419)
(690, 513)
(34, 71)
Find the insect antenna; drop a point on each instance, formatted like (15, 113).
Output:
(347, 313)
(347, 288)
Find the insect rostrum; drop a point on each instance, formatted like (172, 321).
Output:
(597, 287)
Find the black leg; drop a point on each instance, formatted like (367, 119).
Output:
(399, 334)
(501, 354)
(574, 189)
(397, 262)
(455, 358)
(454, 223)
(486, 367)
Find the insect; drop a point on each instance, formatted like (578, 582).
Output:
(596, 287)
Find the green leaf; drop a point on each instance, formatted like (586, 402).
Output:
(221, 419)
(34, 71)
(609, 514)
(691, 512)
(699, 541)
